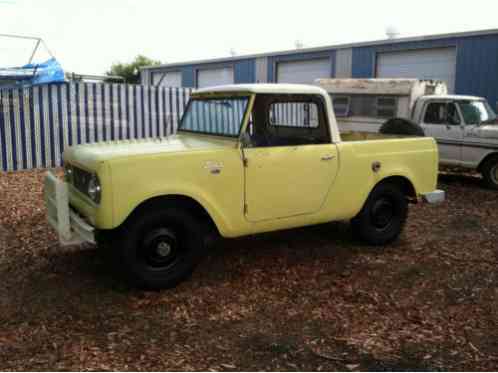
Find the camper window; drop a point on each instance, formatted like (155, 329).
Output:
(386, 107)
(341, 105)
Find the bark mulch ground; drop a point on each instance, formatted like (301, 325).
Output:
(305, 299)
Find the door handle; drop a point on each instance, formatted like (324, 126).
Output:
(327, 157)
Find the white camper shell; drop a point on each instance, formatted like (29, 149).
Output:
(366, 104)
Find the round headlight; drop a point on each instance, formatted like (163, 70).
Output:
(94, 189)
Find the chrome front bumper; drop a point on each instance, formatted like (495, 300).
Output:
(71, 228)
(438, 196)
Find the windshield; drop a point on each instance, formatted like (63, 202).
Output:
(214, 116)
(477, 112)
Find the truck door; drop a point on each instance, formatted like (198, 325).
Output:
(290, 162)
(442, 120)
(476, 113)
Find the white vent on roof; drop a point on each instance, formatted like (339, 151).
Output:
(392, 32)
(299, 44)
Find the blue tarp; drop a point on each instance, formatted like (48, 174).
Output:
(49, 71)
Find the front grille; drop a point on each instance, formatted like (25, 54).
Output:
(81, 179)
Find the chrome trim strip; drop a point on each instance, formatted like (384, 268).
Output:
(469, 144)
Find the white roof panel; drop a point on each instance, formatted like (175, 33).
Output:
(452, 97)
(264, 88)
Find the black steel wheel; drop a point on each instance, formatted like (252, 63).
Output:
(383, 216)
(489, 172)
(159, 249)
(382, 213)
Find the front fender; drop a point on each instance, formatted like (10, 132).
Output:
(221, 220)
(220, 193)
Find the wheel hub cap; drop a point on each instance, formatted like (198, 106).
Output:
(160, 248)
(382, 213)
(163, 249)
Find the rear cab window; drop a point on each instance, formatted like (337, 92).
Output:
(341, 106)
(294, 114)
(386, 107)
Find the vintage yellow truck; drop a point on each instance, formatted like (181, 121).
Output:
(246, 159)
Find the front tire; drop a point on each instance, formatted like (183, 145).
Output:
(159, 249)
(383, 216)
(490, 173)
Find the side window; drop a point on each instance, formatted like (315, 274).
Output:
(442, 113)
(341, 106)
(386, 107)
(287, 120)
(435, 113)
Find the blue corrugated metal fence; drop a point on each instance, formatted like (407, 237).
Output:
(38, 123)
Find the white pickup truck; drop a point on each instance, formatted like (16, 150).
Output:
(465, 127)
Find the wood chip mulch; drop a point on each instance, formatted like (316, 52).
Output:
(307, 299)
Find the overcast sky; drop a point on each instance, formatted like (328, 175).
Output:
(87, 36)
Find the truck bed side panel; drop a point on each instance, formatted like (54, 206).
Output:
(416, 159)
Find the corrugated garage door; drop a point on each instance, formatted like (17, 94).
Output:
(439, 63)
(213, 77)
(168, 79)
(303, 72)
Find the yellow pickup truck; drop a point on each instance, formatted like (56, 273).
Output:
(246, 159)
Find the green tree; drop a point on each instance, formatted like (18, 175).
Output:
(131, 71)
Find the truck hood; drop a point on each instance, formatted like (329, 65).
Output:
(489, 131)
(92, 154)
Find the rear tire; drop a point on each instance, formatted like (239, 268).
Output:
(159, 249)
(489, 172)
(383, 216)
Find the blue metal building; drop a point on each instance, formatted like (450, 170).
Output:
(467, 61)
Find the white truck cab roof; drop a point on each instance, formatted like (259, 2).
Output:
(451, 97)
(264, 88)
